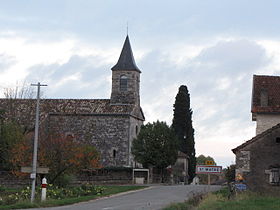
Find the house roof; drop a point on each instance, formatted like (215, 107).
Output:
(271, 85)
(256, 138)
(126, 60)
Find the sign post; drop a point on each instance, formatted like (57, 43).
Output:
(208, 169)
(39, 170)
(209, 162)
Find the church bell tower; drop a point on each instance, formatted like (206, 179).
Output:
(125, 78)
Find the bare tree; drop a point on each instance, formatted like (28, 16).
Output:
(19, 105)
(22, 91)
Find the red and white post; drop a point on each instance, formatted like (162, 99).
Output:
(44, 189)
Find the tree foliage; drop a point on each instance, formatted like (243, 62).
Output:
(201, 160)
(182, 125)
(65, 155)
(155, 145)
(230, 173)
(62, 154)
(10, 134)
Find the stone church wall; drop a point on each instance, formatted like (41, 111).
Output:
(109, 134)
(135, 126)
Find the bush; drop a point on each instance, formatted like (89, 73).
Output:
(63, 180)
(2, 189)
(53, 192)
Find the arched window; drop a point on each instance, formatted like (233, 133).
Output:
(114, 153)
(123, 83)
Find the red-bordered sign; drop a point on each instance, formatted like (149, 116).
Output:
(209, 169)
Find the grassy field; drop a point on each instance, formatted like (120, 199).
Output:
(219, 200)
(109, 190)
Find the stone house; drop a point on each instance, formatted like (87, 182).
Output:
(108, 124)
(258, 160)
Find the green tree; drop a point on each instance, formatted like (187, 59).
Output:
(182, 125)
(230, 173)
(10, 134)
(155, 145)
(201, 159)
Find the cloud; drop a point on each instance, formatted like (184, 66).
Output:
(234, 57)
(6, 61)
(79, 77)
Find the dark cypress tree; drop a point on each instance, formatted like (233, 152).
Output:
(182, 125)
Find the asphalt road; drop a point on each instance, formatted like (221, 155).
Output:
(153, 198)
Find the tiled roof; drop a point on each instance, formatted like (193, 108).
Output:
(126, 60)
(270, 84)
(256, 138)
(84, 106)
(73, 106)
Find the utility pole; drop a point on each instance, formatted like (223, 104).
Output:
(35, 148)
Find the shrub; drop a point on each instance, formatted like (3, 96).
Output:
(64, 180)
(53, 192)
(2, 189)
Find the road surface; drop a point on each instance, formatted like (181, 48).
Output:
(152, 198)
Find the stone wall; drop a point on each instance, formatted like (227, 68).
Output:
(131, 96)
(105, 176)
(106, 133)
(135, 126)
(256, 158)
(7, 179)
(100, 177)
(266, 121)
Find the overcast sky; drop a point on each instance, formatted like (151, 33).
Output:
(214, 47)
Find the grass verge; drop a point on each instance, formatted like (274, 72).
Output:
(109, 190)
(246, 200)
(219, 200)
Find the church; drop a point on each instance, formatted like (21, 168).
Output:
(108, 124)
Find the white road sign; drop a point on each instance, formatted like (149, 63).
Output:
(208, 169)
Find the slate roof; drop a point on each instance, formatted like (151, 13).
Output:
(271, 84)
(256, 138)
(126, 60)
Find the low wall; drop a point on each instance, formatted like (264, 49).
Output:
(7, 179)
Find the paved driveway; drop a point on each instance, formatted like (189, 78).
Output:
(153, 198)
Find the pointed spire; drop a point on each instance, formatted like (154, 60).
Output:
(126, 60)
